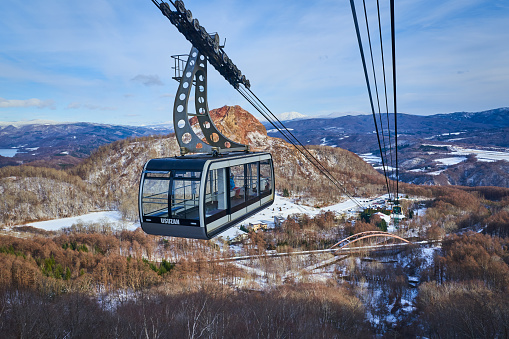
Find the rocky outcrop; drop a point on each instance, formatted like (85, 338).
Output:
(238, 124)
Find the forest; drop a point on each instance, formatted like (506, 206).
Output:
(95, 279)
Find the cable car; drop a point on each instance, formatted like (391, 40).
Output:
(216, 182)
(199, 196)
(396, 210)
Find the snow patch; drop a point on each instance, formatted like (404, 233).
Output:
(451, 161)
(370, 158)
(481, 155)
(111, 217)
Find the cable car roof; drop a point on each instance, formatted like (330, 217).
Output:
(194, 162)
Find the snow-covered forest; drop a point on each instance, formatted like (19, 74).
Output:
(270, 278)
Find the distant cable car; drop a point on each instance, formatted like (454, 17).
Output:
(200, 196)
(396, 210)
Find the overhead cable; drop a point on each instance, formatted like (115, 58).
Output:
(361, 49)
(383, 152)
(393, 37)
(269, 116)
(385, 88)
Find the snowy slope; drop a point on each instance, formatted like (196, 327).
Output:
(282, 207)
(111, 217)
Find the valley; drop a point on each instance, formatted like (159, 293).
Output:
(60, 145)
(469, 149)
(73, 233)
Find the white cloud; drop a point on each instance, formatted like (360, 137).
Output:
(4, 103)
(76, 105)
(167, 95)
(148, 80)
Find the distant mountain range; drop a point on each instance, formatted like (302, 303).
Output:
(61, 144)
(345, 131)
(458, 148)
(472, 132)
(31, 122)
(291, 116)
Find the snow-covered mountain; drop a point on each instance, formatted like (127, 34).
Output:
(291, 116)
(32, 122)
(427, 145)
(54, 144)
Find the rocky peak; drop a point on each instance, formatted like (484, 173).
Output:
(239, 125)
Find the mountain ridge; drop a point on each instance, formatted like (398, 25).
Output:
(68, 144)
(430, 148)
(62, 144)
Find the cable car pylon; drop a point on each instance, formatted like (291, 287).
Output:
(216, 182)
(195, 74)
(202, 194)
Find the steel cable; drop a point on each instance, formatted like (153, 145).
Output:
(267, 114)
(393, 38)
(361, 49)
(383, 153)
(385, 87)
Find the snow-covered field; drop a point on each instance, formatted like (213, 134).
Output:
(451, 161)
(282, 207)
(481, 155)
(111, 217)
(456, 155)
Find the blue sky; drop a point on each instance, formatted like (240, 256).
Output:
(109, 61)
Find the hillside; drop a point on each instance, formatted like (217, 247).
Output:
(36, 193)
(98, 273)
(116, 168)
(109, 178)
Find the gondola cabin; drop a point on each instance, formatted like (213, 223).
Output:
(200, 196)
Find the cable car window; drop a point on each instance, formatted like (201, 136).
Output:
(185, 191)
(252, 180)
(155, 196)
(237, 186)
(265, 178)
(216, 202)
(162, 175)
(187, 174)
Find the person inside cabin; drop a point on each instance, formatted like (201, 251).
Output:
(233, 187)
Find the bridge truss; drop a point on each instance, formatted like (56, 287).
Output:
(380, 235)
